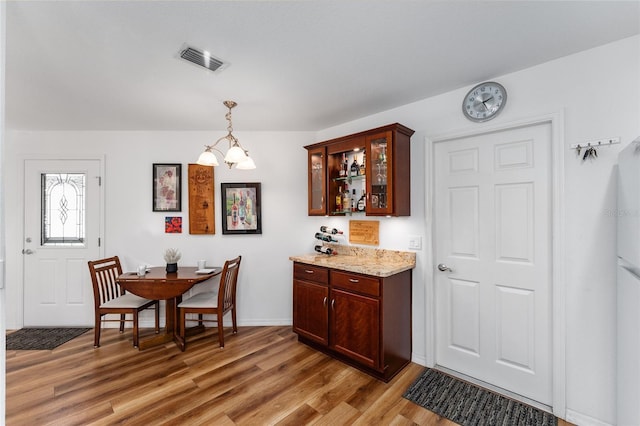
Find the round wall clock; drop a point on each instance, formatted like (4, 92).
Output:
(484, 101)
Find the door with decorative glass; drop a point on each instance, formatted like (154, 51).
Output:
(62, 232)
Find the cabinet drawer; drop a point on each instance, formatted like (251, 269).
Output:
(316, 274)
(357, 283)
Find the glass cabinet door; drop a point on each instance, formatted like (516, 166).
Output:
(317, 182)
(379, 174)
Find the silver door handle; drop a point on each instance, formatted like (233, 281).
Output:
(27, 251)
(442, 267)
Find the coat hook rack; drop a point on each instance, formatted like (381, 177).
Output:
(591, 147)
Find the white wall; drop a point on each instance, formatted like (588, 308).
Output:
(599, 92)
(136, 233)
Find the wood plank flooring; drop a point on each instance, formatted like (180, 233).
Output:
(263, 376)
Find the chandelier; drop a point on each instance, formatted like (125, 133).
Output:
(236, 154)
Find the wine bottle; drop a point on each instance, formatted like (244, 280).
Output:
(362, 165)
(354, 201)
(325, 250)
(328, 230)
(339, 199)
(362, 202)
(325, 237)
(355, 169)
(234, 212)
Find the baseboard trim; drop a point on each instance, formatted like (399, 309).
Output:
(584, 420)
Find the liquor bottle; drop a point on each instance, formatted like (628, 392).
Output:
(346, 199)
(362, 165)
(354, 201)
(345, 165)
(339, 199)
(355, 169)
(328, 230)
(325, 237)
(325, 250)
(362, 202)
(234, 212)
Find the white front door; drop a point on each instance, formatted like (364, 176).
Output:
(62, 232)
(492, 229)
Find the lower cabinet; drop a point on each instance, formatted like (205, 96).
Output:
(360, 319)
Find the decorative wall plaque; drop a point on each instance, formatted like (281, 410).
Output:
(364, 232)
(201, 200)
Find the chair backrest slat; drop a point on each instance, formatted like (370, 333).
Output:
(104, 274)
(228, 284)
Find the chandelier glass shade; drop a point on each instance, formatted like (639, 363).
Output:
(235, 155)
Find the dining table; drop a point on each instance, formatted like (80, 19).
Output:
(158, 284)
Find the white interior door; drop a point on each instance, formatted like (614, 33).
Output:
(493, 231)
(62, 232)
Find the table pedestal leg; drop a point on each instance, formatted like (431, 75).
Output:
(170, 329)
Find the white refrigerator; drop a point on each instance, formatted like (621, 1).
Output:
(628, 286)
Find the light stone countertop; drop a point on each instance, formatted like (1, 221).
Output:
(377, 262)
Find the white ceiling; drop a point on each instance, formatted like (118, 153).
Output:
(293, 65)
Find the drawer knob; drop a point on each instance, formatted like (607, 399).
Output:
(308, 271)
(353, 280)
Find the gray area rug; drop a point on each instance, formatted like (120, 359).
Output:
(41, 338)
(468, 404)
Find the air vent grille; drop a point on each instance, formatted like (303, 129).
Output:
(200, 58)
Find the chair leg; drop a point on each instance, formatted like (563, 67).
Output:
(233, 319)
(96, 333)
(122, 319)
(157, 309)
(220, 331)
(135, 329)
(182, 327)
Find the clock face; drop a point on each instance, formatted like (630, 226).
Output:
(484, 101)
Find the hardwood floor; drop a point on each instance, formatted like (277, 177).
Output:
(262, 376)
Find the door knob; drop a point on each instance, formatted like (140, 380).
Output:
(442, 267)
(27, 251)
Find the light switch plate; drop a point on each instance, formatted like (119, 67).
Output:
(415, 242)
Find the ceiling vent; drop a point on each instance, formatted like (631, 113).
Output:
(203, 59)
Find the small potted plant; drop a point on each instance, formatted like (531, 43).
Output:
(171, 256)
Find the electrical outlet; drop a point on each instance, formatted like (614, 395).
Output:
(415, 242)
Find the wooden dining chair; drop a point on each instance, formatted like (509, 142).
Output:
(217, 302)
(110, 298)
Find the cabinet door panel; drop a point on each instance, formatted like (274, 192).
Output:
(317, 182)
(310, 311)
(355, 327)
(380, 173)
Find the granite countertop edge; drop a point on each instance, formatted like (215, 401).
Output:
(374, 267)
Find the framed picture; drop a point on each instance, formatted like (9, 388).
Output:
(173, 225)
(241, 208)
(167, 187)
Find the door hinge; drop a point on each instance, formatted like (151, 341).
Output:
(99, 242)
(99, 180)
